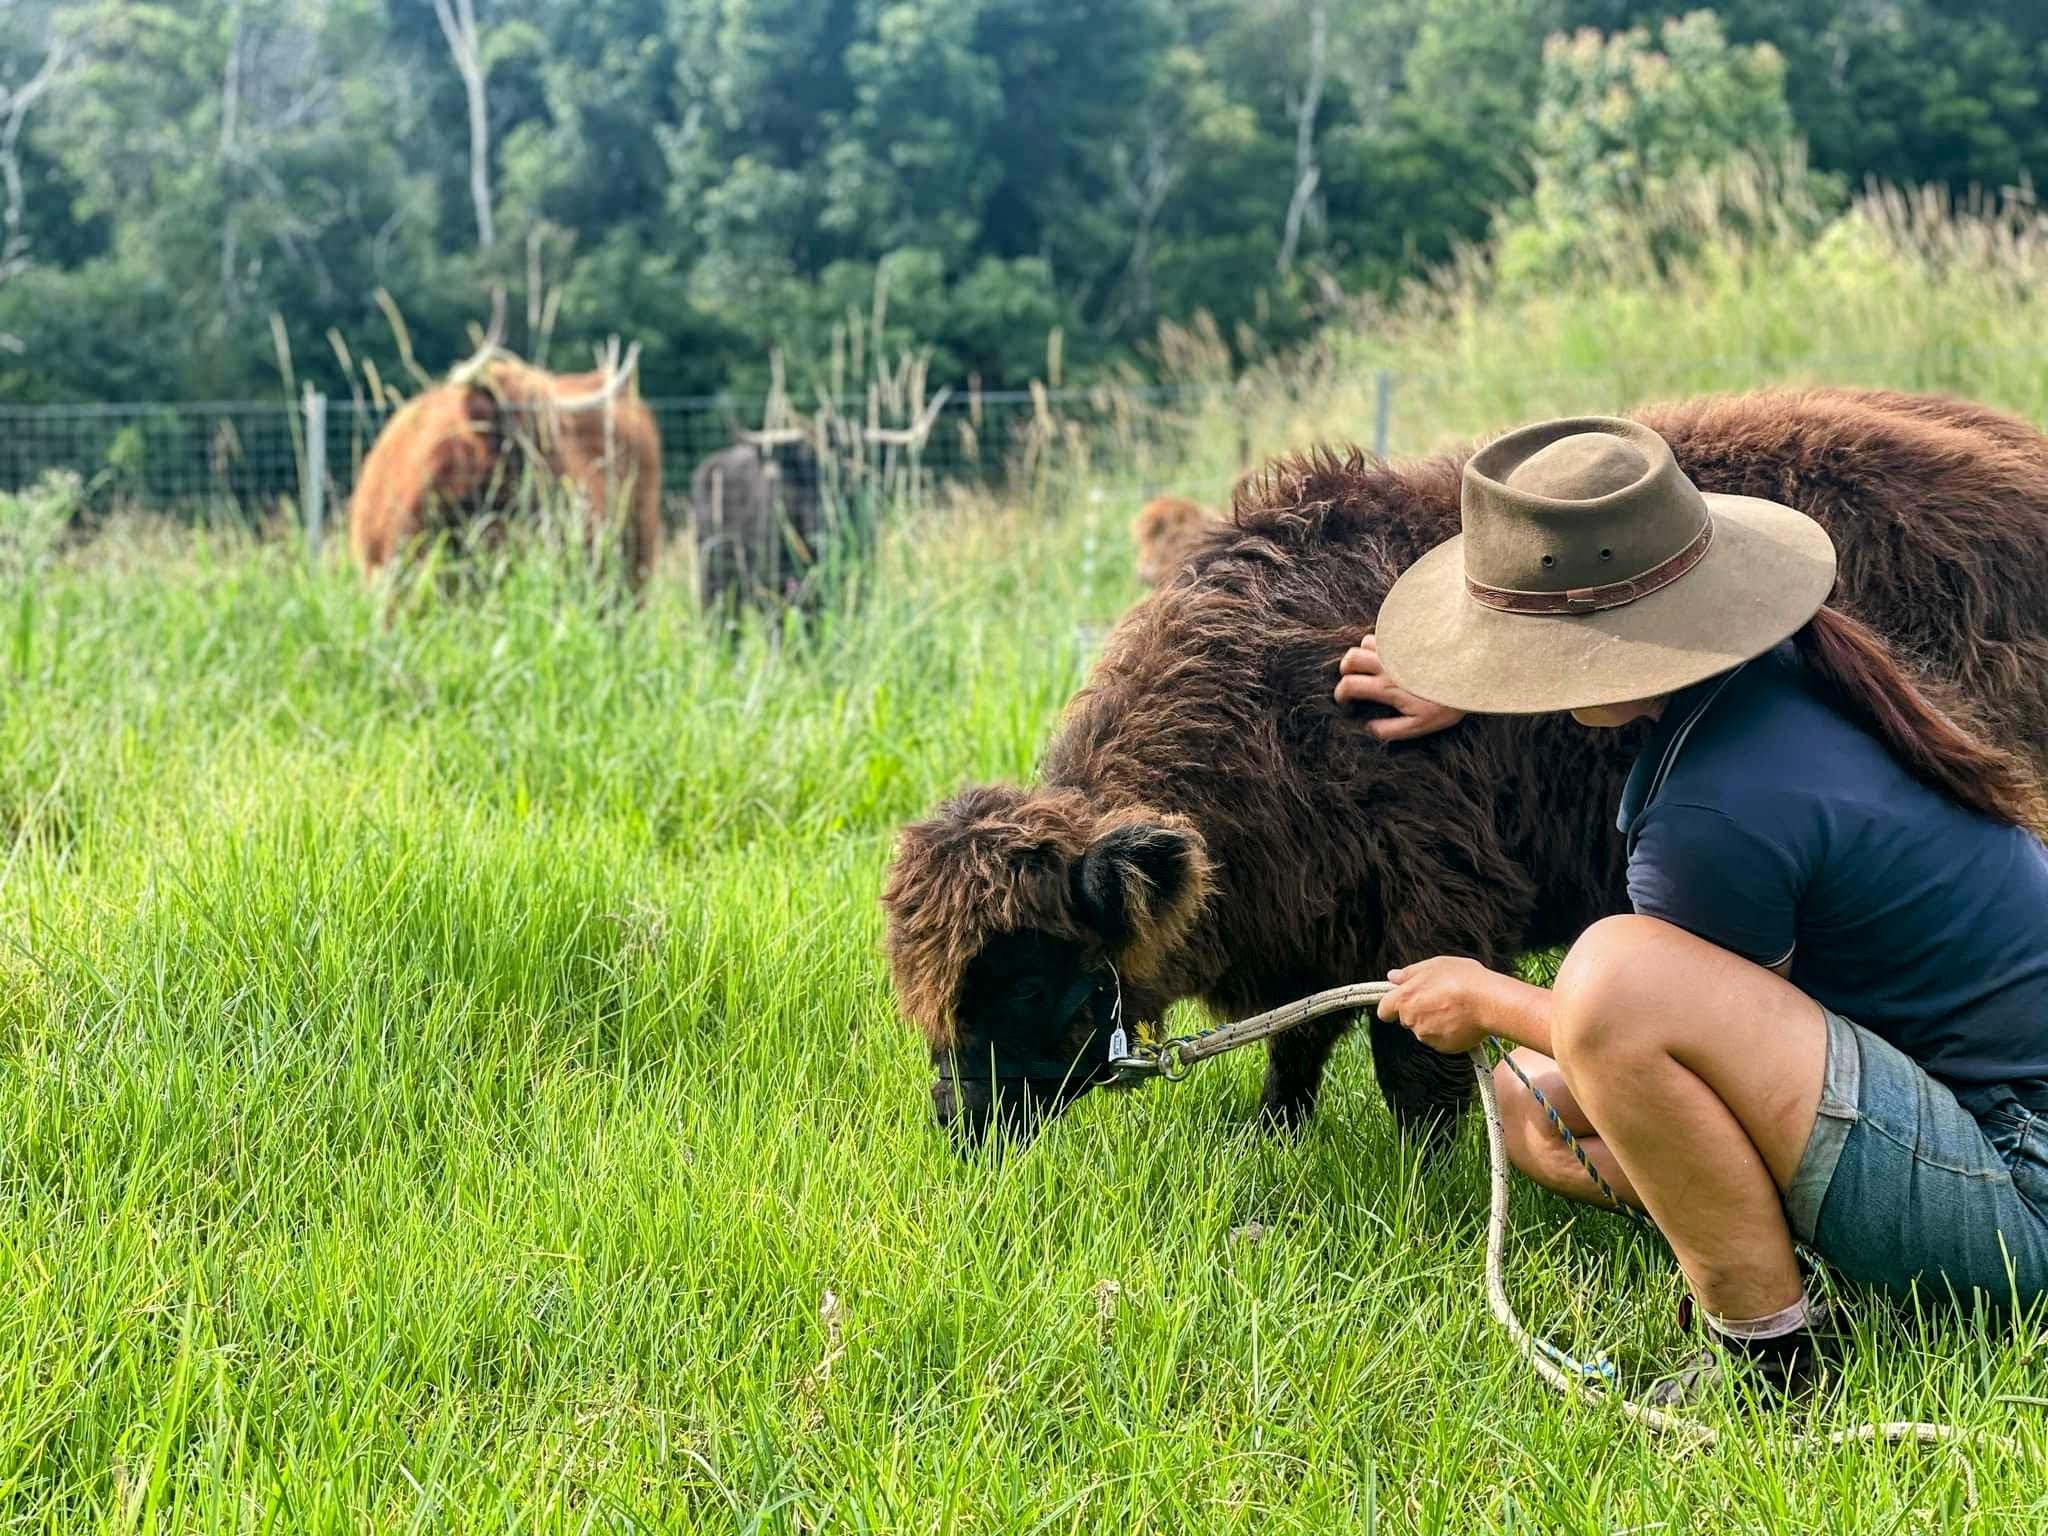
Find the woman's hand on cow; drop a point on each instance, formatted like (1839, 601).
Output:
(1449, 1004)
(1361, 679)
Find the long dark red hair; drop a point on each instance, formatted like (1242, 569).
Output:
(1926, 730)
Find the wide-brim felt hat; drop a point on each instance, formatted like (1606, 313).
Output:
(1591, 571)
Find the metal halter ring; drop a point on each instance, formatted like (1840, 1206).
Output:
(1133, 1066)
(1170, 1063)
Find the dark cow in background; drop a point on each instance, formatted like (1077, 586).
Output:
(759, 525)
(1212, 825)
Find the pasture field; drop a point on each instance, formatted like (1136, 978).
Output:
(448, 1083)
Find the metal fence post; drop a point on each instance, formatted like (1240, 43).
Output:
(313, 492)
(1383, 399)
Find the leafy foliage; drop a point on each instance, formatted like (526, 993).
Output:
(1627, 120)
(723, 178)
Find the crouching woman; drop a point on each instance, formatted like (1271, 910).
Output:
(1827, 1019)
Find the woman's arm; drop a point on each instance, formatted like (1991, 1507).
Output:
(1451, 1004)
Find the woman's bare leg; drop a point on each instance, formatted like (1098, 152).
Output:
(1534, 1146)
(1704, 1073)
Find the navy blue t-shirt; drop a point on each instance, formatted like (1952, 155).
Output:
(1765, 821)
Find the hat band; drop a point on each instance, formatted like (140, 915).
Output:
(1614, 594)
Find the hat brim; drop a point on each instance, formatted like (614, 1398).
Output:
(1768, 570)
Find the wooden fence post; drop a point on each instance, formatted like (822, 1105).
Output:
(313, 492)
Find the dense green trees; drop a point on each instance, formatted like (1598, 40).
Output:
(1632, 128)
(723, 177)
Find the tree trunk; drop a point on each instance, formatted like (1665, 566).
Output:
(459, 27)
(14, 108)
(1307, 174)
(230, 123)
(1148, 182)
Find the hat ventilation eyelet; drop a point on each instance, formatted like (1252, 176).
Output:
(1549, 561)
(1606, 554)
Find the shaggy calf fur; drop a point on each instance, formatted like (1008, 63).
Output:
(1166, 532)
(462, 459)
(1211, 824)
(759, 524)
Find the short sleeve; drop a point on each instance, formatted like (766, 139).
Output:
(1700, 869)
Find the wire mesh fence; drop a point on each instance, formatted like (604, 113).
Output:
(252, 460)
(900, 442)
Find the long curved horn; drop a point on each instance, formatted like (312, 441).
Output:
(466, 373)
(618, 373)
(914, 435)
(771, 437)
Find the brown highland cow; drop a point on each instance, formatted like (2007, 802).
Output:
(463, 457)
(1210, 824)
(1166, 531)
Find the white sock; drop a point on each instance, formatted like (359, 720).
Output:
(1801, 1315)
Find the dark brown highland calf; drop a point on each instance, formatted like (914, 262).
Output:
(1211, 825)
(759, 525)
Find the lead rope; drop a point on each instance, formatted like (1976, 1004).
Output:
(1172, 1058)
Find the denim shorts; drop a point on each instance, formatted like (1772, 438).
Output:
(1901, 1185)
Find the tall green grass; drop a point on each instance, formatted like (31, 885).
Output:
(447, 1082)
(1902, 290)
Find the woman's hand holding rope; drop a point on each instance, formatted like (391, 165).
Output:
(1452, 1004)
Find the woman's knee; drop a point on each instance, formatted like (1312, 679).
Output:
(1603, 990)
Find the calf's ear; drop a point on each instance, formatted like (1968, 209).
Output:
(1139, 885)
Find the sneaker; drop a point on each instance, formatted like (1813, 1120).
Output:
(1779, 1370)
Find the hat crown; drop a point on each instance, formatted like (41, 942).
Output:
(1592, 571)
(1580, 467)
(1590, 502)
